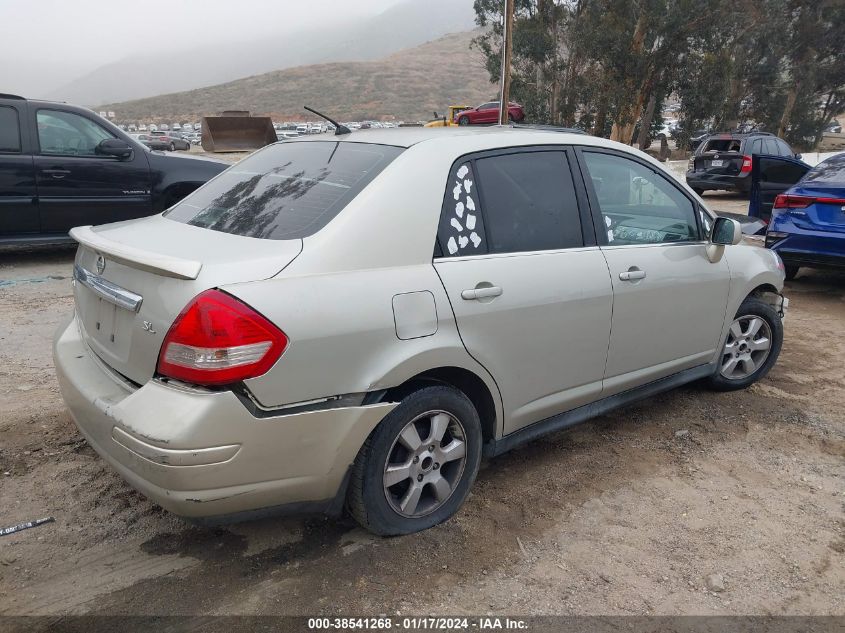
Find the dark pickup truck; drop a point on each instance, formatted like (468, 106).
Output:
(63, 166)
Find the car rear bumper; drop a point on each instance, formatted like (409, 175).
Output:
(203, 454)
(705, 181)
(804, 247)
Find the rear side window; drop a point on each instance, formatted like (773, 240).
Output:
(755, 147)
(529, 202)
(10, 132)
(286, 191)
(770, 147)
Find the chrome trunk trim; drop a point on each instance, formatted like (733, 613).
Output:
(121, 297)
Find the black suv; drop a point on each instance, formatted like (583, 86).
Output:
(723, 161)
(63, 166)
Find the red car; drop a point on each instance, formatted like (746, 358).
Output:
(489, 113)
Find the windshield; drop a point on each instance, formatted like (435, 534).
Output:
(286, 191)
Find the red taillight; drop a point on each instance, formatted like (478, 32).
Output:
(218, 340)
(746, 165)
(785, 201)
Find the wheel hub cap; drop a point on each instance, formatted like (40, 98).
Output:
(746, 348)
(425, 464)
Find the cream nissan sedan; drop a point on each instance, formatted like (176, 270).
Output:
(354, 321)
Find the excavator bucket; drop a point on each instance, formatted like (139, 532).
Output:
(236, 131)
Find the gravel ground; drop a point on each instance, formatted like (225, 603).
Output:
(692, 502)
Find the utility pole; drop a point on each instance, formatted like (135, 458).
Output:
(504, 101)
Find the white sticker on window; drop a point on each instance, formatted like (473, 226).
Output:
(610, 236)
(463, 204)
(607, 220)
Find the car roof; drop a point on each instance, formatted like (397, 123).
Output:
(409, 136)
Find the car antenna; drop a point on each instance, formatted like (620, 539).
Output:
(338, 128)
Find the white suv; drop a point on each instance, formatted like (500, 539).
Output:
(355, 320)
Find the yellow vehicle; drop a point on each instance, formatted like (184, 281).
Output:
(450, 119)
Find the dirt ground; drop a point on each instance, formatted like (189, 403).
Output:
(692, 502)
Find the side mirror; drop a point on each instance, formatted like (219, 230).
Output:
(798, 156)
(436, 116)
(726, 231)
(114, 147)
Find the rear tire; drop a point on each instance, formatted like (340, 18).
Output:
(416, 468)
(791, 272)
(173, 147)
(751, 348)
(699, 192)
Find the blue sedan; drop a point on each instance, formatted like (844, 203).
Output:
(804, 208)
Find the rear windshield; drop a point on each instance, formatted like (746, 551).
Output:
(831, 171)
(285, 191)
(722, 145)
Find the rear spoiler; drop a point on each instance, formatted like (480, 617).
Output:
(145, 260)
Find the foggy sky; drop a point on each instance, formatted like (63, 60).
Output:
(43, 43)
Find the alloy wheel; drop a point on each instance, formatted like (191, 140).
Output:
(747, 347)
(425, 464)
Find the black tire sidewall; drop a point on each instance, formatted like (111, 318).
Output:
(463, 120)
(765, 311)
(381, 518)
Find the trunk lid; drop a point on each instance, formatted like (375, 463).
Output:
(132, 279)
(826, 213)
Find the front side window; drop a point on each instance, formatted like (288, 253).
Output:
(285, 191)
(10, 131)
(68, 134)
(638, 206)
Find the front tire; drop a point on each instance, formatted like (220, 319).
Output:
(751, 348)
(463, 121)
(416, 468)
(791, 272)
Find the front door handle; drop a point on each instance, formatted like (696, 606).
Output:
(485, 292)
(632, 274)
(56, 172)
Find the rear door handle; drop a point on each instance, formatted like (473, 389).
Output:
(56, 173)
(481, 293)
(632, 274)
